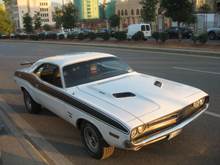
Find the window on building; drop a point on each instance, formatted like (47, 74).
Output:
(132, 12)
(126, 12)
(122, 12)
(137, 12)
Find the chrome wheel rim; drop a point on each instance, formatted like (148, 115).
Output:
(91, 139)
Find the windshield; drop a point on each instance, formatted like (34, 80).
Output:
(94, 70)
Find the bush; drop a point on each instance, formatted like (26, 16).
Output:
(61, 36)
(203, 38)
(81, 36)
(120, 36)
(106, 36)
(163, 36)
(71, 36)
(92, 36)
(138, 36)
(22, 36)
(33, 37)
(156, 36)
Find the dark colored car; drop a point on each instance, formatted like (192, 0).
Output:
(185, 32)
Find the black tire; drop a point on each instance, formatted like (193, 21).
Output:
(212, 36)
(30, 105)
(94, 143)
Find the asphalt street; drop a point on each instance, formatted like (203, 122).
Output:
(198, 144)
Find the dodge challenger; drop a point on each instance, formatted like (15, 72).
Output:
(112, 105)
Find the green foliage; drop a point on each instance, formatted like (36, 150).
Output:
(149, 8)
(163, 37)
(61, 36)
(81, 36)
(27, 20)
(138, 36)
(47, 27)
(37, 21)
(6, 25)
(51, 35)
(180, 11)
(114, 21)
(201, 38)
(57, 16)
(156, 36)
(70, 16)
(42, 36)
(106, 36)
(120, 36)
(92, 36)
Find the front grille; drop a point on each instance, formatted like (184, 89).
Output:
(170, 120)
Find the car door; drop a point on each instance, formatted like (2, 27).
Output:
(50, 87)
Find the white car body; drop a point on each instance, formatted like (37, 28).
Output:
(134, 28)
(115, 118)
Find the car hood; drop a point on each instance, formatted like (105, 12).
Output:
(140, 95)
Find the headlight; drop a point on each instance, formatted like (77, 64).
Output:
(134, 133)
(141, 129)
(199, 103)
(137, 131)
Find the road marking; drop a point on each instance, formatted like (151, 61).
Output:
(212, 114)
(196, 70)
(54, 156)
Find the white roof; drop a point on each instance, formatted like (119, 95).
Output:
(66, 59)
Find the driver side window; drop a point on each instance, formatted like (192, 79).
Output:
(49, 73)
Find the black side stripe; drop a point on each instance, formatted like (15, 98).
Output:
(70, 100)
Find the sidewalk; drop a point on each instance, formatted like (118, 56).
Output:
(14, 149)
(171, 46)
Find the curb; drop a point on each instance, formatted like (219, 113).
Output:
(152, 49)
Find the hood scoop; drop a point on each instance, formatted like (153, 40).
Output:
(158, 84)
(123, 94)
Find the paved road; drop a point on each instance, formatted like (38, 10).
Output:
(198, 144)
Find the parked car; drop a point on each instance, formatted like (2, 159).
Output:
(214, 33)
(111, 104)
(174, 31)
(134, 28)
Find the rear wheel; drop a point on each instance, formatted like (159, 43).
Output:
(94, 143)
(212, 36)
(30, 105)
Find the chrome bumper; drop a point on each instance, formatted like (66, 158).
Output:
(166, 134)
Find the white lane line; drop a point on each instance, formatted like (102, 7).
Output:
(51, 152)
(196, 70)
(212, 114)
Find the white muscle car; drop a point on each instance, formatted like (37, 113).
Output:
(111, 104)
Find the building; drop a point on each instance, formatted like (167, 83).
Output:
(18, 8)
(129, 12)
(88, 9)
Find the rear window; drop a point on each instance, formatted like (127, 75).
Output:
(143, 28)
(148, 27)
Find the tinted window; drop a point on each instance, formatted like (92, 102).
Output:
(94, 70)
(143, 28)
(49, 73)
(148, 27)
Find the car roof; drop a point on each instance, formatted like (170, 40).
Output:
(67, 59)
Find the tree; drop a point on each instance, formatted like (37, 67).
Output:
(47, 27)
(6, 25)
(70, 16)
(180, 11)
(57, 16)
(27, 21)
(37, 21)
(114, 21)
(149, 10)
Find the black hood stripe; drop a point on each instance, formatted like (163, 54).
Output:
(70, 100)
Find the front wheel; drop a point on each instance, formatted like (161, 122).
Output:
(212, 36)
(94, 143)
(30, 105)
